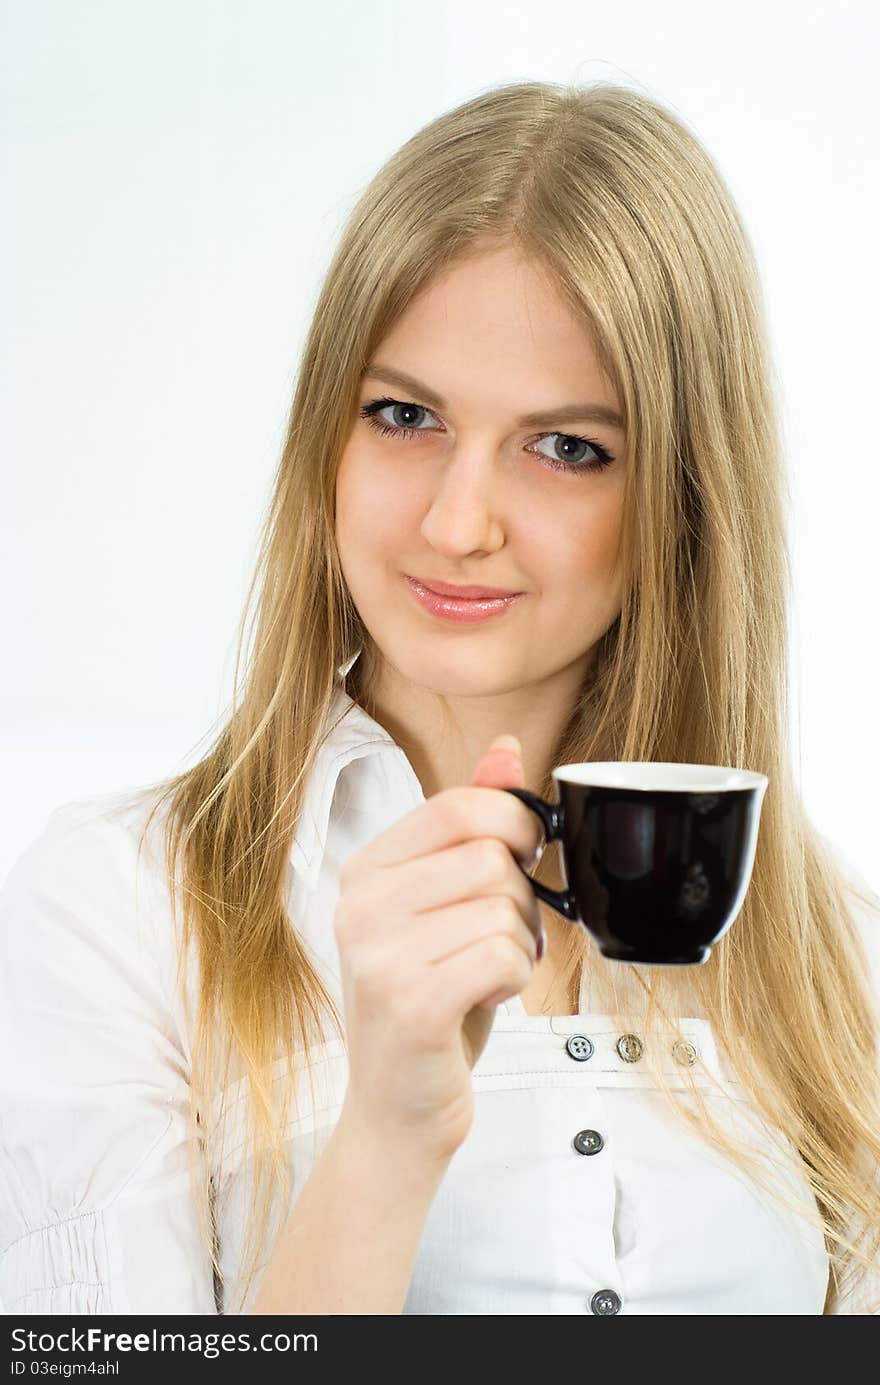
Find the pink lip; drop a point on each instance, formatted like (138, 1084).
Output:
(464, 593)
(469, 610)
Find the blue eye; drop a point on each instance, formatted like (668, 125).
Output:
(574, 463)
(371, 412)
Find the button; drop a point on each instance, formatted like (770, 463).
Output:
(580, 1047)
(684, 1052)
(630, 1048)
(588, 1142)
(605, 1303)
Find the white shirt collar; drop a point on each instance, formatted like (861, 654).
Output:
(349, 734)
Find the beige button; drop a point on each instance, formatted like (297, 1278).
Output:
(684, 1052)
(630, 1048)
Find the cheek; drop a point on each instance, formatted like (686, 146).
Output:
(584, 561)
(370, 501)
(357, 508)
(586, 538)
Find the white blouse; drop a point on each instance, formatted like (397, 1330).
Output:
(576, 1190)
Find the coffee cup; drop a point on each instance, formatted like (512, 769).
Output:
(656, 856)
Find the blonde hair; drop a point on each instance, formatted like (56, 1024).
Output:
(616, 198)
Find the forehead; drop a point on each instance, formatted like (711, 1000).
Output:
(495, 327)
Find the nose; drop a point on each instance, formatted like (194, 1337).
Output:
(465, 512)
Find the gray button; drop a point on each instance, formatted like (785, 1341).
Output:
(630, 1048)
(580, 1047)
(684, 1052)
(588, 1142)
(605, 1303)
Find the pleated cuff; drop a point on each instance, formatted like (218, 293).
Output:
(61, 1268)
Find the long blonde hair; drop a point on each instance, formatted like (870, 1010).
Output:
(615, 196)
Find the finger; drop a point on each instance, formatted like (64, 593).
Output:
(469, 870)
(451, 817)
(444, 932)
(500, 768)
(494, 966)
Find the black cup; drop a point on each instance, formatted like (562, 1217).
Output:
(656, 856)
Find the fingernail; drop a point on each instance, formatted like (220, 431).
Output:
(542, 945)
(506, 743)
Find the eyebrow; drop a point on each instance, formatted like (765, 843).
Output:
(566, 413)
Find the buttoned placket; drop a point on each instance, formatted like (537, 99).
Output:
(589, 1045)
(591, 1142)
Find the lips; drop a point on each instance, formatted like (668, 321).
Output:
(471, 610)
(464, 593)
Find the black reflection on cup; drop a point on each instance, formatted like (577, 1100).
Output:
(655, 875)
(667, 871)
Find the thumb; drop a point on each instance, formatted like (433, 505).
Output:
(501, 766)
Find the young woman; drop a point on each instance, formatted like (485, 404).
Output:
(278, 1035)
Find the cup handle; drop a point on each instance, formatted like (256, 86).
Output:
(552, 818)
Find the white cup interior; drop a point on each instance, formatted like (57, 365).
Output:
(660, 774)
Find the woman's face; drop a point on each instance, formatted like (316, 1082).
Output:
(475, 494)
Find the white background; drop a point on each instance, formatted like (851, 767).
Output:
(174, 177)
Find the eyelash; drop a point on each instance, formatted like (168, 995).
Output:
(371, 410)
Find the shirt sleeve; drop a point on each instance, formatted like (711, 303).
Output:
(96, 1210)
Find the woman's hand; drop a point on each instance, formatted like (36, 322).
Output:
(436, 925)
